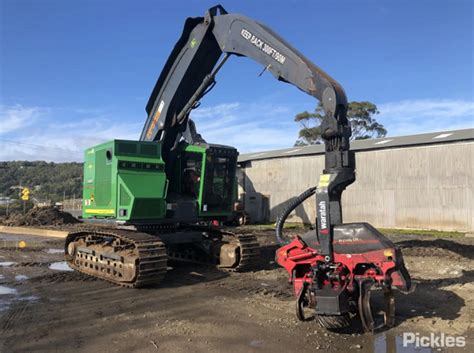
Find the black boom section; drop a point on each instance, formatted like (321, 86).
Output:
(243, 36)
(193, 57)
(188, 73)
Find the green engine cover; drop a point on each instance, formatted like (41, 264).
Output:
(124, 180)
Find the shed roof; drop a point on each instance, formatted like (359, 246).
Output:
(371, 144)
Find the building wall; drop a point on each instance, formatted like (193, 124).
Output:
(426, 187)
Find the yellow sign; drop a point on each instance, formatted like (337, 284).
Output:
(25, 194)
(22, 244)
(324, 180)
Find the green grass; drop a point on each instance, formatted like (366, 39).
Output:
(393, 231)
(271, 226)
(433, 233)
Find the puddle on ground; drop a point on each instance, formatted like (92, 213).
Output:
(21, 278)
(6, 290)
(7, 300)
(57, 300)
(60, 266)
(4, 304)
(54, 251)
(256, 343)
(30, 298)
(2, 277)
(390, 343)
(7, 263)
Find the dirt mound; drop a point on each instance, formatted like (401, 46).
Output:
(40, 216)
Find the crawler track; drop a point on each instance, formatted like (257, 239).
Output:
(126, 258)
(249, 251)
(246, 246)
(136, 259)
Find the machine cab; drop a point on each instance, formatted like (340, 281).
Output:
(203, 182)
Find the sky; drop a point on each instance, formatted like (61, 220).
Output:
(77, 73)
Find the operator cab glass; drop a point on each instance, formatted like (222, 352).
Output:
(219, 183)
(205, 177)
(192, 174)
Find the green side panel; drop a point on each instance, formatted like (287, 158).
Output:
(143, 195)
(88, 186)
(149, 209)
(125, 198)
(103, 179)
(99, 182)
(124, 180)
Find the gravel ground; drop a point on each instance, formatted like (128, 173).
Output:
(45, 308)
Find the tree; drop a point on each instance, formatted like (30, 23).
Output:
(360, 114)
(47, 181)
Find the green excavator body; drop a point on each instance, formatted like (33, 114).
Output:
(128, 181)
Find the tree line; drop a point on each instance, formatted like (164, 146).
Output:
(46, 181)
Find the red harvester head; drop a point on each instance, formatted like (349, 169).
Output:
(364, 259)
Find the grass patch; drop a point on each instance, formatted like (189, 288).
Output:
(271, 226)
(432, 233)
(389, 231)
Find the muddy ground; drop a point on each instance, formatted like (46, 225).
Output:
(40, 216)
(44, 308)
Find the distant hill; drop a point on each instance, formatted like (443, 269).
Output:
(47, 181)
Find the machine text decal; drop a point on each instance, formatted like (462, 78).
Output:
(260, 44)
(323, 214)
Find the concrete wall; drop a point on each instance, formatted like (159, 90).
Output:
(426, 187)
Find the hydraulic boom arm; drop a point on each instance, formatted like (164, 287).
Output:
(189, 74)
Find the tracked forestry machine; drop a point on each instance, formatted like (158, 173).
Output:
(154, 199)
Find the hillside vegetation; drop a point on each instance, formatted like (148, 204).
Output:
(47, 181)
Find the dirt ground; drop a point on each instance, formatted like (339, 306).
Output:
(40, 216)
(45, 308)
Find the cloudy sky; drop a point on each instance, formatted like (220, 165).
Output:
(74, 74)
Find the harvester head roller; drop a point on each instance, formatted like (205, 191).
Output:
(302, 302)
(365, 312)
(334, 322)
(363, 260)
(389, 312)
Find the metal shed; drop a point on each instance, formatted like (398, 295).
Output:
(419, 181)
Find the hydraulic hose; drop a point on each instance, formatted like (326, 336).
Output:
(286, 212)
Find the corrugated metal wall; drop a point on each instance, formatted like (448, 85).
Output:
(426, 187)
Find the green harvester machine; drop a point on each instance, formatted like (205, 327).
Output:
(162, 198)
(126, 181)
(141, 211)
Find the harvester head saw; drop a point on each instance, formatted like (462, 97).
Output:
(363, 260)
